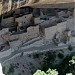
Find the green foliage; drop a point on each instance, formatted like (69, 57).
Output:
(52, 72)
(60, 55)
(39, 72)
(49, 72)
(11, 69)
(73, 60)
(36, 55)
(50, 56)
(48, 60)
(69, 74)
(63, 68)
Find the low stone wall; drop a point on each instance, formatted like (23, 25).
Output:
(6, 53)
(31, 33)
(7, 21)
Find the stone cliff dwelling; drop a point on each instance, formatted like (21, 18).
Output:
(29, 26)
(51, 24)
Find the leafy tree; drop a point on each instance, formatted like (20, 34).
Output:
(54, 72)
(60, 55)
(69, 74)
(49, 72)
(73, 60)
(39, 72)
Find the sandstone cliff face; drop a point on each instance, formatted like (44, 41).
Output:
(38, 3)
(54, 4)
(57, 0)
(34, 1)
(49, 1)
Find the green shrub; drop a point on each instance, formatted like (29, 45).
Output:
(36, 55)
(48, 72)
(50, 56)
(60, 55)
(11, 69)
(48, 60)
(63, 67)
